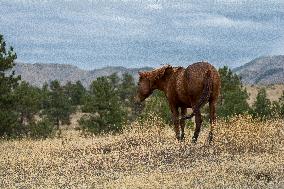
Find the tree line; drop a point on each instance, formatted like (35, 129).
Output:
(108, 104)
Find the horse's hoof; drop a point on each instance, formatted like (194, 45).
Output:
(210, 137)
(194, 140)
(178, 137)
(182, 137)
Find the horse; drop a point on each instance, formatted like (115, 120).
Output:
(190, 87)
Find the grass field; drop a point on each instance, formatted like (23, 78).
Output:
(245, 154)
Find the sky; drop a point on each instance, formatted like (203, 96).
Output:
(136, 33)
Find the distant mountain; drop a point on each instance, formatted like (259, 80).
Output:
(263, 70)
(37, 74)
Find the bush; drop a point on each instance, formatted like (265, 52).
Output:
(157, 104)
(9, 125)
(42, 129)
(94, 124)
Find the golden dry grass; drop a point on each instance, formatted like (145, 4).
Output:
(245, 154)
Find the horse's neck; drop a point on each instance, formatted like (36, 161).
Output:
(162, 85)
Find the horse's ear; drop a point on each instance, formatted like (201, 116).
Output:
(168, 71)
(140, 73)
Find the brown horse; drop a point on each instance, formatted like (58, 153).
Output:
(186, 88)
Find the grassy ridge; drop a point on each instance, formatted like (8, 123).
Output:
(274, 92)
(245, 154)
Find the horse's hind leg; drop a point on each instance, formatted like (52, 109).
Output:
(182, 122)
(198, 122)
(212, 107)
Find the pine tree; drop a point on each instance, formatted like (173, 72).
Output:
(114, 80)
(44, 96)
(126, 91)
(75, 92)
(106, 107)
(59, 107)
(8, 82)
(281, 105)
(233, 97)
(262, 106)
(28, 102)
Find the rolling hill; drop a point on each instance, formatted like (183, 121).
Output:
(37, 74)
(260, 71)
(263, 71)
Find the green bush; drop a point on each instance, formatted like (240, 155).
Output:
(157, 104)
(42, 129)
(98, 125)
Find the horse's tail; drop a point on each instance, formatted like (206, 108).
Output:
(207, 90)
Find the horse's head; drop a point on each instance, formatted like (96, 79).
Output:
(149, 81)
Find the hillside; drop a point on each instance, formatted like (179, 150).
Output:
(274, 92)
(263, 70)
(37, 74)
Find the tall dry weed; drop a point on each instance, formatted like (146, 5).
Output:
(245, 154)
(245, 134)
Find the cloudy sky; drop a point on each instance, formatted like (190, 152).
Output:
(135, 33)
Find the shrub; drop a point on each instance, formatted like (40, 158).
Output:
(158, 105)
(42, 129)
(95, 124)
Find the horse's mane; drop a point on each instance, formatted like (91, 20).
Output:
(154, 74)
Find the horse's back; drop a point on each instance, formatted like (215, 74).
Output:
(195, 75)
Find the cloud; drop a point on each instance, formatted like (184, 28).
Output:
(154, 6)
(193, 40)
(221, 21)
(134, 32)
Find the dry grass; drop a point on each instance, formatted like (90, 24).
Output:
(245, 154)
(274, 92)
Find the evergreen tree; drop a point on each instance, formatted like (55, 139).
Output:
(8, 82)
(59, 107)
(28, 102)
(75, 92)
(281, 105)
(233, 97)
(126, 91)
(114, 80)
(44, 96)
(262, 106)
(104, 103)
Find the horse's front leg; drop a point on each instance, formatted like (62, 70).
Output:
(175, 118)
(182, 122)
